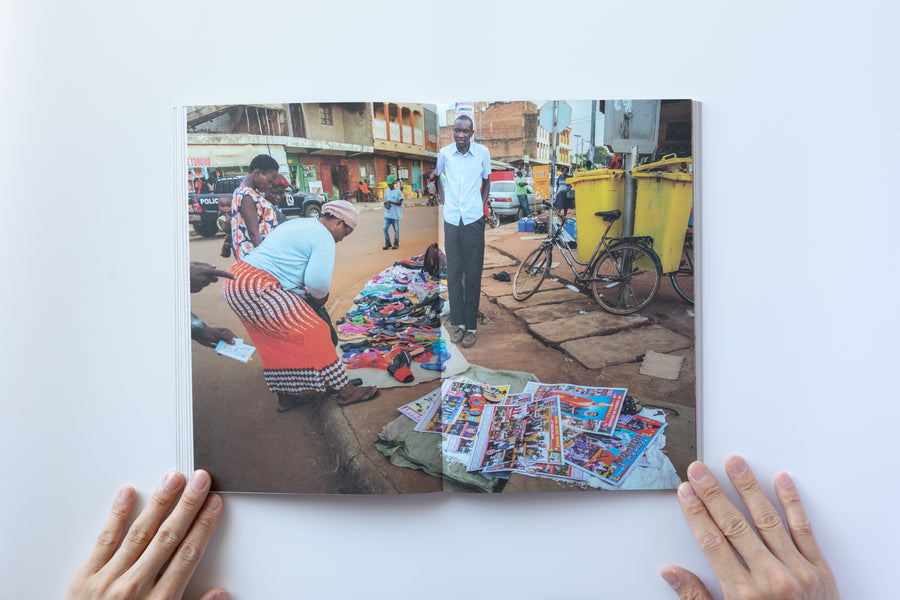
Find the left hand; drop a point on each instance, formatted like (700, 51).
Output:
(758, 561)
(210, 336)
(160, 554)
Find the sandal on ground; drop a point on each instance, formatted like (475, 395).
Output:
(355, 395)
(357, 381)
(430, 366)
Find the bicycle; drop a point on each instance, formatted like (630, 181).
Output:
(623, 274)
(683, 278)
(492, 219)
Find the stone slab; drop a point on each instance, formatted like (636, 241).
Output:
(597, 352)
(495, 259)
(549, 312)
(556, 293)
(492, 288)
(581, 326)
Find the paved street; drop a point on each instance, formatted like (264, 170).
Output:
(558, 334)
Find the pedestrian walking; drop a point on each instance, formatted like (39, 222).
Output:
(522, 193)
(462, 173)
(393, 211)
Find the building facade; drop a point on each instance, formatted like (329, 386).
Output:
(323, 147)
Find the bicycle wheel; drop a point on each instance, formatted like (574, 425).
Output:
(626, 278)
(531, 273)
(683, 278)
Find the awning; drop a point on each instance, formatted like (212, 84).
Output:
(231, 155)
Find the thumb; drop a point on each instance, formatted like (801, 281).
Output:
(216, 594)
(687, 585)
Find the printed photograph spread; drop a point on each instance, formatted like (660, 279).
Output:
(478, 297)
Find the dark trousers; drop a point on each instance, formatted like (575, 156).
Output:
(464, 245)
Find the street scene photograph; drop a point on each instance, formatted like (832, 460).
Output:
(399, 298)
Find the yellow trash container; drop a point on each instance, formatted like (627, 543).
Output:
(663, 206)
(595, 191)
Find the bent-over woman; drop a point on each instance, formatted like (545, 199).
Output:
(276, 292)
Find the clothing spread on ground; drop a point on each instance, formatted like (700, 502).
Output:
(395, 323)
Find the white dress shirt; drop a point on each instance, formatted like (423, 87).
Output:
(461, 176)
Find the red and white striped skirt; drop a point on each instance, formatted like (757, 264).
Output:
(293, 342)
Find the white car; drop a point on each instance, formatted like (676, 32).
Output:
(505, 202)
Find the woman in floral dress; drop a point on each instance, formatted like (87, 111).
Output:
(252, 216)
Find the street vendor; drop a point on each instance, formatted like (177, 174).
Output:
(279, 292)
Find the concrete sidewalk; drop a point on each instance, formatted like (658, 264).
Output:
(559, 335)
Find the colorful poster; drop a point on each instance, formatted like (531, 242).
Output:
(511, 437)
(611, 457)
(459, 410)
(585, 408)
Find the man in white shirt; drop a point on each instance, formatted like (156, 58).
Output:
(462, 174)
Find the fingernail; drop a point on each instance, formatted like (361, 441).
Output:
(671, 578)
(200, 481)
(171, 482)
(736, 466)
(784, 481)
(698, 471)
(125, 494)
(221, 595)
(686, 491)
(214, 503)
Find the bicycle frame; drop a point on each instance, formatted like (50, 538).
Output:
(569, 256)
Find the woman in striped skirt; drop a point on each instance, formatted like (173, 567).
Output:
(276, 291)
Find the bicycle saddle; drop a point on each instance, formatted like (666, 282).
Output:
(609, 215)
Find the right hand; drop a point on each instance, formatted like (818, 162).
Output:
(758, 561)
(210, 336)
(159, 555)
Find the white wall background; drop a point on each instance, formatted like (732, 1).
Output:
(800, 326)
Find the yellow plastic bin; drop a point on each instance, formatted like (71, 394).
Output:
(595, 191)
(665, 196)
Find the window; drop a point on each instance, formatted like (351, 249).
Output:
(325, 115)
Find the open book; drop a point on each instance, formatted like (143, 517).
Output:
(588, 266)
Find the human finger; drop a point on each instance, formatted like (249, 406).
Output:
(712, 541)
(730, 521)
(186, 558)
(216, 594)
(798, 523)
(220, 273)
(141, 532)
(112, 531)
(172, 531)
(687, 585)
(766, 519)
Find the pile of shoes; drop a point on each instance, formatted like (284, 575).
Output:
(396, 322)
